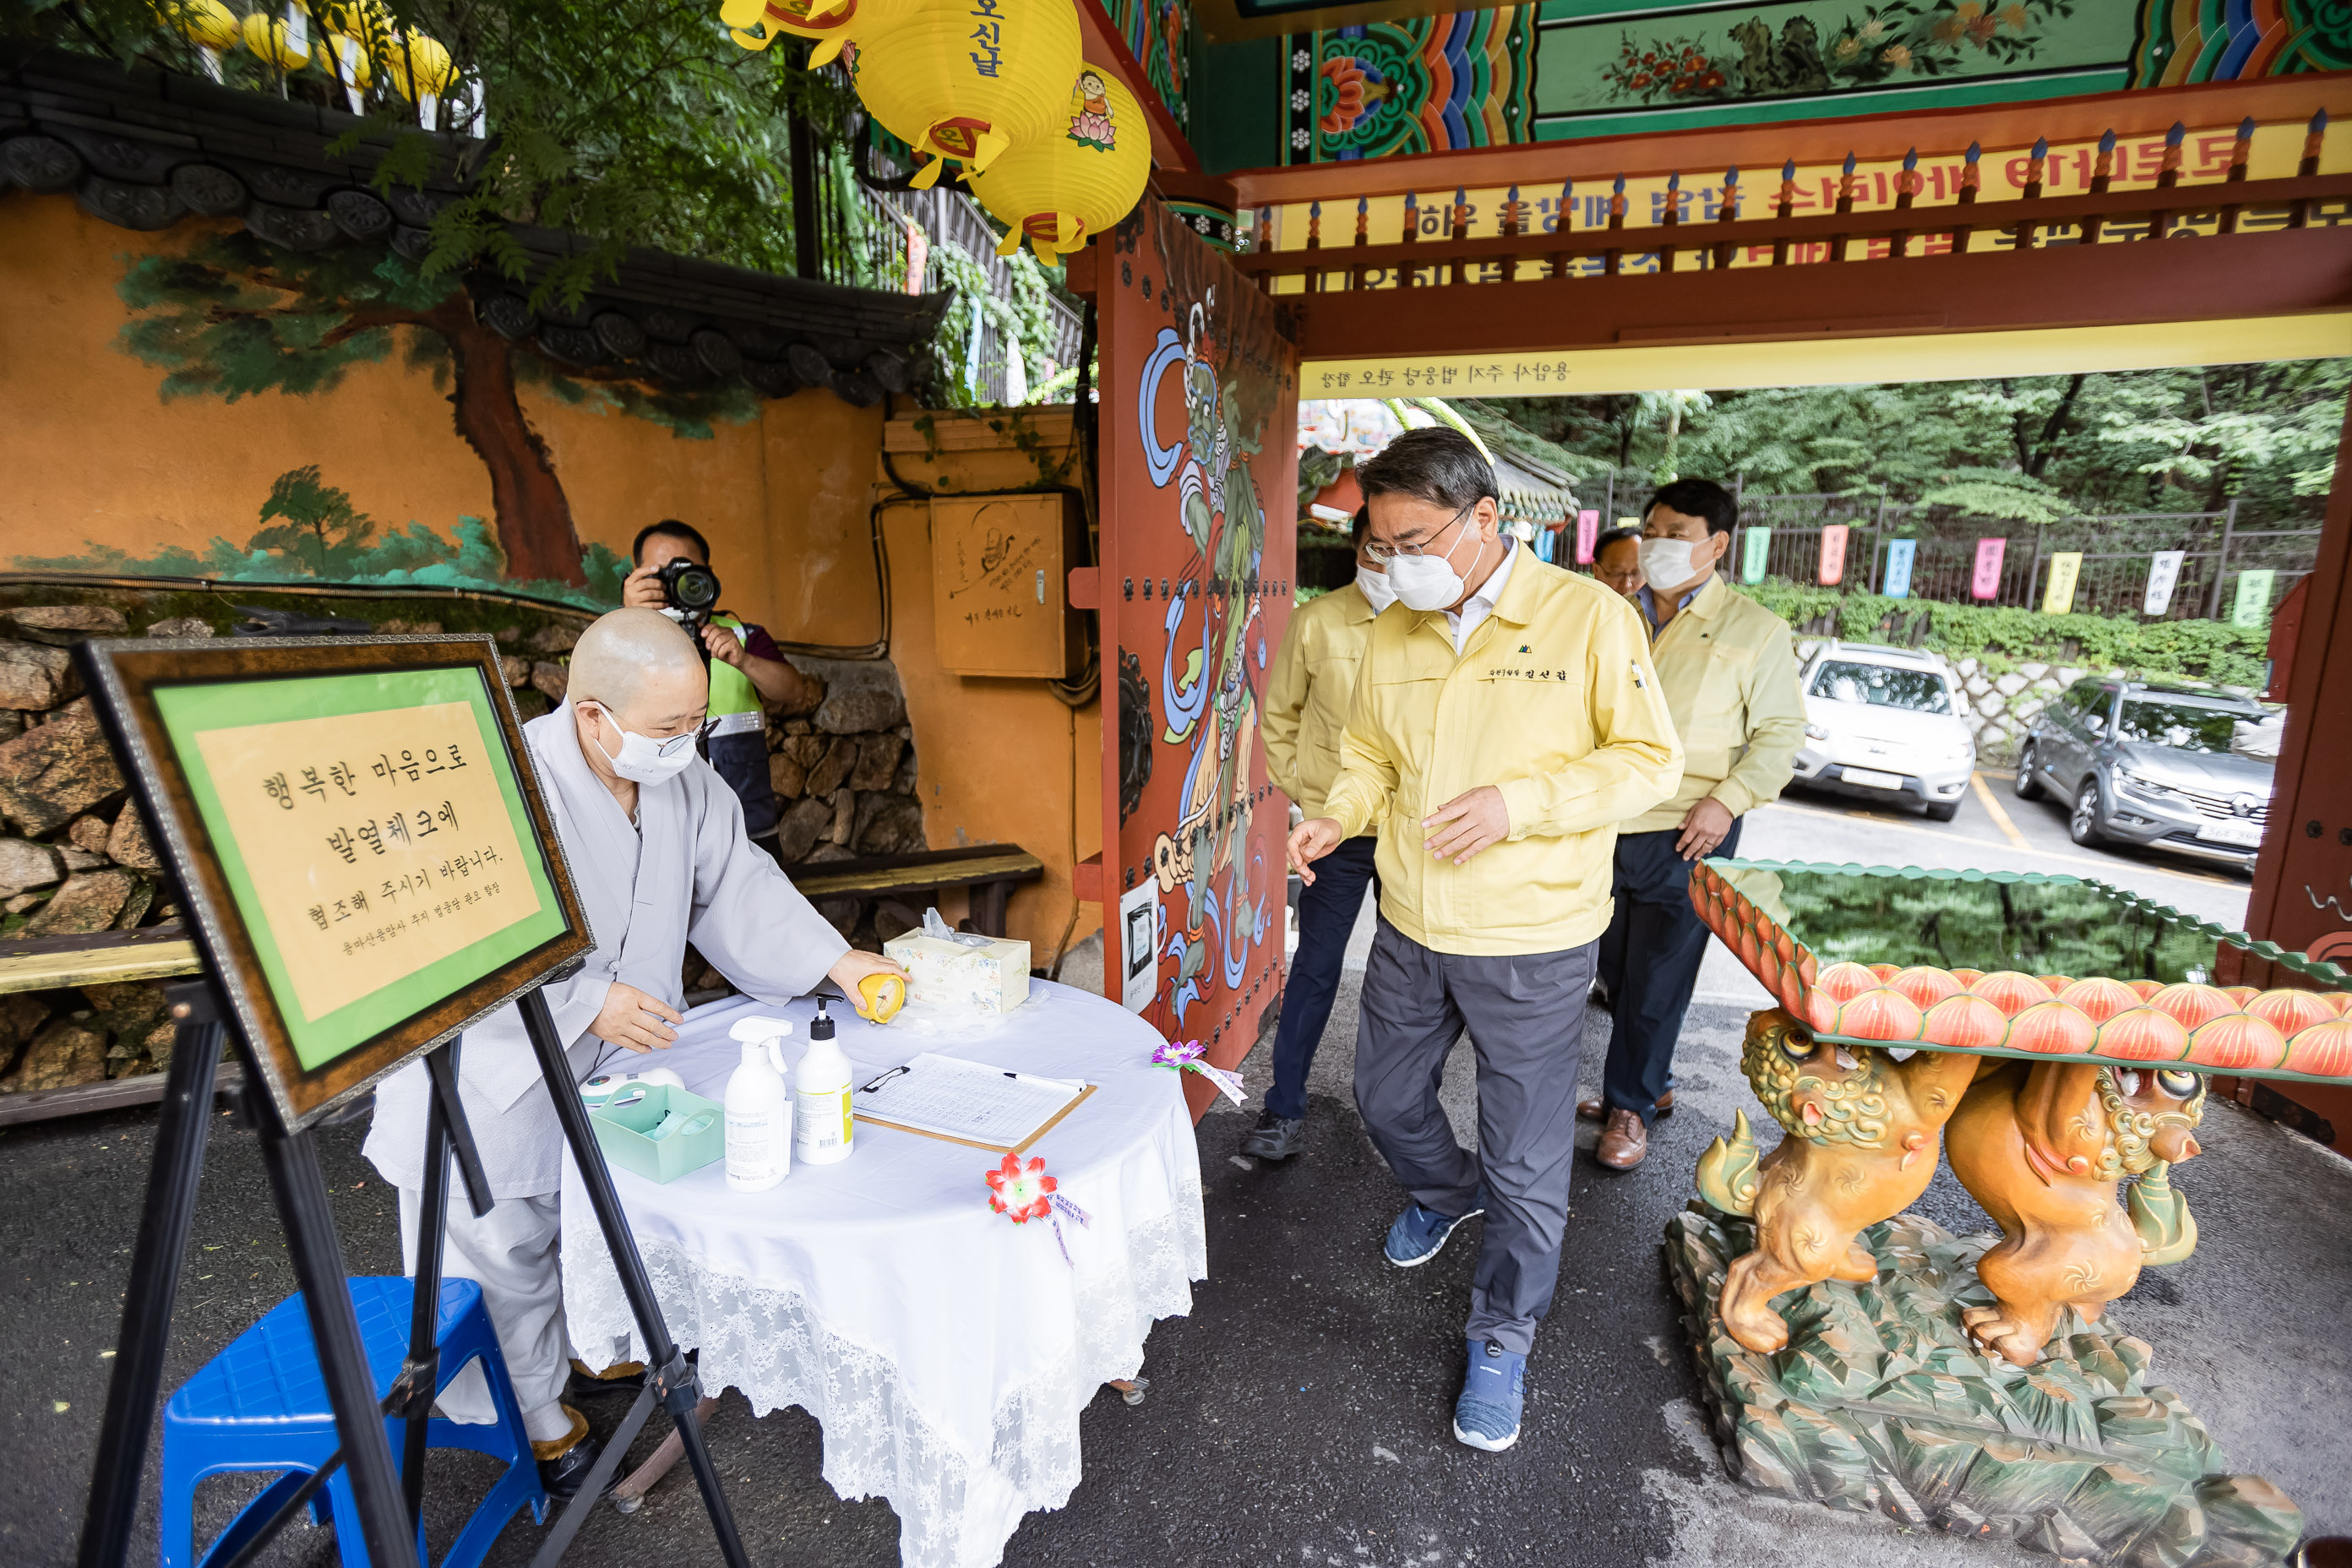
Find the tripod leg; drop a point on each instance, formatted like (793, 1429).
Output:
(442, 1066)
(680, 1393)
(170, 1213)
(422, 1371)
(293, 1162)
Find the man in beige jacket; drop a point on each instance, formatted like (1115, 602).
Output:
(1729, 668)
(1306, 714)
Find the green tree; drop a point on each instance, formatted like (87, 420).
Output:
(317, 523)
(2025, 448)
(631, 123)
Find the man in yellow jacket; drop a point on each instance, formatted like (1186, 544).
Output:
(1729, 666)
(1305, 711)
(1505, 719)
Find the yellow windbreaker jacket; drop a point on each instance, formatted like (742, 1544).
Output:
(1553, 700)
(1308, 693)
(1731, 671)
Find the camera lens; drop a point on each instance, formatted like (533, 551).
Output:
(691, 587)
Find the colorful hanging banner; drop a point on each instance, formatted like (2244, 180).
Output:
(2066, 570)
(2163, 575)
(1588, 528)
(1986, 582)
(1832, 565)
(1900, 554)
(2253, 607)
(1756, 554)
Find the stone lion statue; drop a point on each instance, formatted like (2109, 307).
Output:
(2042, 1145)
(1861, 1148)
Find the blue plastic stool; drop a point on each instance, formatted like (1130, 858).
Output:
(261, 1405)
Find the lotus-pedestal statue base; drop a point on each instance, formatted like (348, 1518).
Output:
(1881, 1404)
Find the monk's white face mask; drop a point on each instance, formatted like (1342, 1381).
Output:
(643, 759)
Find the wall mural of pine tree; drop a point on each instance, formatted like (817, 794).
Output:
(231, 316)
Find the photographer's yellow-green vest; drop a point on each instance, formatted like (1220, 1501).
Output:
(738, 746)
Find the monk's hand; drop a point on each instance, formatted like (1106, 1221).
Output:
(634, 1019)
(1310, 842)
(1704, 826)
(854, 966)
(643, 590)
(724, 645)
(1468, 824)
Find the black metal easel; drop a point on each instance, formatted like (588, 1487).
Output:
(390, 1498)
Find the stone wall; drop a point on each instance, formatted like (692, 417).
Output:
(75, 859)
(2001, 708)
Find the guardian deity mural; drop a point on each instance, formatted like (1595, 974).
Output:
(1196, 600)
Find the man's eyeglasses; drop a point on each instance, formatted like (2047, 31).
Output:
(675, 743)
(1382, 554)
(692, 738)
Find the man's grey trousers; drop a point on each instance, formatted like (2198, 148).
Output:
(1525, 1013)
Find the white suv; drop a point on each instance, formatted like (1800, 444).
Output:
(1883, 723)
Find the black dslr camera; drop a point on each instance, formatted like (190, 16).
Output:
(691, 590)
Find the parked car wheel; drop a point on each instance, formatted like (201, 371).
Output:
(2027, 786)
(2083, 823)
(1943, 810)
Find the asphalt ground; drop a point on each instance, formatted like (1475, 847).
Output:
(1300, 1413)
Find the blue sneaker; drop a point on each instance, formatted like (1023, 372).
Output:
(1419, 1234)
(1487, 1415)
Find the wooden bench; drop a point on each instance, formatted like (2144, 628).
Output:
(899, 881)
(100, 958)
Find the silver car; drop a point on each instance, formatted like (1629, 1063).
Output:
(2152, 765)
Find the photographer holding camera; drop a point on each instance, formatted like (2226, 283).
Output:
(673, 575)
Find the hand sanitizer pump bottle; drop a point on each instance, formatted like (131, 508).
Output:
(759, 1108)
(822, 1124)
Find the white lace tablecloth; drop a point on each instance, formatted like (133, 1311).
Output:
(945, 1350)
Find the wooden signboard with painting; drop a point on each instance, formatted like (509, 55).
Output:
(367, 866)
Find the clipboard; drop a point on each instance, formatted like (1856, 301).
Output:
(1084, 1092)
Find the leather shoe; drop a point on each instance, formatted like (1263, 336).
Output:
(1624, 1143)
(1596, 1110)
(565, 1474)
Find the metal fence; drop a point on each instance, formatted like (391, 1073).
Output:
(2117, 550)
(863, 238)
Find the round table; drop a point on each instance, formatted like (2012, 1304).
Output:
(946, 1351)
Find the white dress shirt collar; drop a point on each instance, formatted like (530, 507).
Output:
(1481, 604)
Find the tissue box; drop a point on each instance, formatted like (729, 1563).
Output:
(960, 976)
(622, 1131)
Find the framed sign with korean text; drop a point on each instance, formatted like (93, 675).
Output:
(365, 856)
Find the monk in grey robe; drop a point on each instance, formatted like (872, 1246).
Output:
(654, 839)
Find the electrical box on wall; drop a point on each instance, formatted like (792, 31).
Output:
(1000, 570)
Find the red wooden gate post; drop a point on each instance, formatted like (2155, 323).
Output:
(1198, 458)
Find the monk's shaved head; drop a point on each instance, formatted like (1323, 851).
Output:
(630, 657)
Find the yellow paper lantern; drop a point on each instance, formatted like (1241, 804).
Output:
(417, 67)
(828, 22)
(1061, 190)
(357, 32)
(266, 37)
(207, 24)
(969, 78)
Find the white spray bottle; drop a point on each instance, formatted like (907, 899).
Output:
(759, 1108)
(823, 1125)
